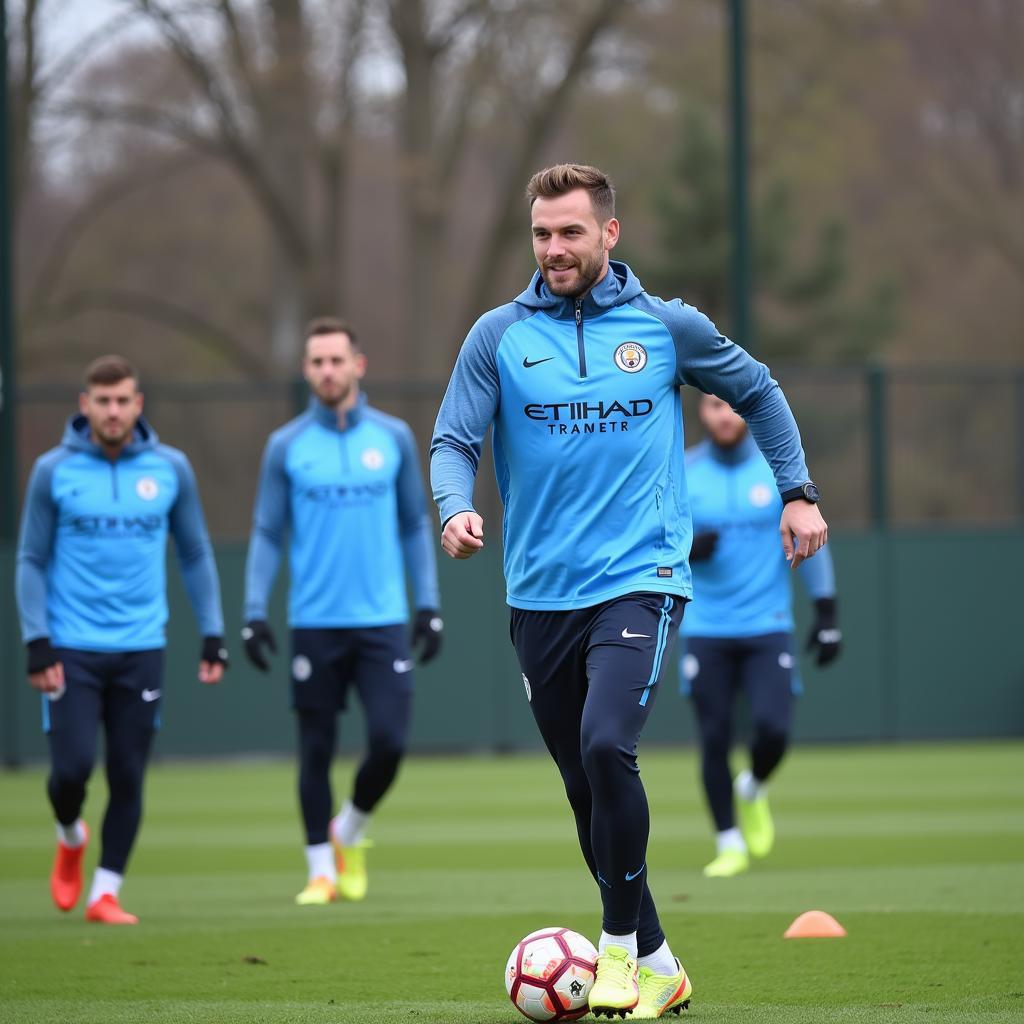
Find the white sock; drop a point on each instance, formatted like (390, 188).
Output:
(627, 942)
(320, 859)
(730, 839)
(746, 787)
(661, 961)
(105, 883)
(350, 825)
(73, 835)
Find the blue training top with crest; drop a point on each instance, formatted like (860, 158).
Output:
(588, 435)
(354, 503)
(92, 551)
(744, 589)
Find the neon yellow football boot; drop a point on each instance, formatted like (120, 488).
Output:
(351, 864)
(661, 993)
(319, 891)
(615, 990)
(755, 819)
(727, 864)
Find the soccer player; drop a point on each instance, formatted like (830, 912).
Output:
(738, 635)
(92, 595)
(344, 480)
(580, 377)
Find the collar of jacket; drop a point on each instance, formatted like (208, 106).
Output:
(618, 286)
(78, 436)
(328, 417)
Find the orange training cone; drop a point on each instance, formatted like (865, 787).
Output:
(815, 924)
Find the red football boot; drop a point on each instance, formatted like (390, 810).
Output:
(107, 910)
(66, 876)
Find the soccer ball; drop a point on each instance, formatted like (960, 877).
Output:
(550, 973)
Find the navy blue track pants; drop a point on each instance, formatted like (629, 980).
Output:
(326, 665)
(591, 676)
(119, 691)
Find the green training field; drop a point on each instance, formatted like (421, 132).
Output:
(919, 852)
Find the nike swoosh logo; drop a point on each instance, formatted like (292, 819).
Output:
(626, 635)
(150, 695)
(630, 877)
(402, 666)
(536, 362)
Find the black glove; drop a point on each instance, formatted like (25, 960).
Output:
(703, 546)
(40, 655)
(255, 634)
(214, 651)
(427, 627)
(825, 634)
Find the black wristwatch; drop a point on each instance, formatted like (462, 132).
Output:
(808, 492)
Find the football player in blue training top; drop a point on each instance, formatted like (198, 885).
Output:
(580, 377)
(92, 595)
(738, 634)
(343, 479)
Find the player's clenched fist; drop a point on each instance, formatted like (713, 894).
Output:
(803, 531)
(463, 535)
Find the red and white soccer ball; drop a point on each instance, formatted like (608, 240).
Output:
(550, 973)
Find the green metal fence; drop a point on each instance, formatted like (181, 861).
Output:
(924, 481)
(931, 626)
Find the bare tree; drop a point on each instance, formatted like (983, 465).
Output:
(257, 105)
(477, 53)
(973, 118)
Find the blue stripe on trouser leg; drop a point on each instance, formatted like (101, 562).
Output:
(664, 625)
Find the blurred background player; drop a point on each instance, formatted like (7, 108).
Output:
(92, 596)
(738, 633)
(580, 377)
(344, 480)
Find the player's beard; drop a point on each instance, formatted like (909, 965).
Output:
(334, 395)
(731, 438)
(588, 270)
(113, 436)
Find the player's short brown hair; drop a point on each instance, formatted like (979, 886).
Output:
(110, 370)
(562, 178)
(331, 325)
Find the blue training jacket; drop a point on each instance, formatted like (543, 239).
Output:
(92, 551)
(745, 588)
(353, 501)
(588, 435)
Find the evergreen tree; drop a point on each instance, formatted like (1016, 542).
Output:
(804, 308)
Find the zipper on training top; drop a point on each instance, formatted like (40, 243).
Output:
(579, 337)
(343, 453)
(113, 480)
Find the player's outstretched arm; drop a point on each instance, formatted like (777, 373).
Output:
(269, 522)
(803, 530)
(35, 549)
(463, 535)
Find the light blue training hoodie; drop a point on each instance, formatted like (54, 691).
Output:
(584, 399)
(92, 550)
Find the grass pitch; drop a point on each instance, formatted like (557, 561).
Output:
(918, 851)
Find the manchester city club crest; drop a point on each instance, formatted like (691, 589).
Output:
(630, 357)
(372, 458)
(146, 488)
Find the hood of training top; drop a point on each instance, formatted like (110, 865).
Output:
(588, 435)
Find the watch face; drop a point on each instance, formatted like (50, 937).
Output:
(811, 492)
